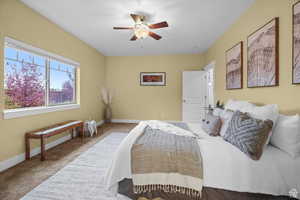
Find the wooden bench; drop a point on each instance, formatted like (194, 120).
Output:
(46, 132)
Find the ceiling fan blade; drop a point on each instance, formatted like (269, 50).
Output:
(123, 28)
(133, 38)
(135, 17)
(154, 35)
(158, 25)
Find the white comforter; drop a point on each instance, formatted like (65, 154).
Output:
(224, 166)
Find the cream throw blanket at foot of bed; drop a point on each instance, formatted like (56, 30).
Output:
(162, 161)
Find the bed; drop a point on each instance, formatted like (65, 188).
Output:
(227, 172)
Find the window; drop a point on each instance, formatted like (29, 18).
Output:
(25, 79)
(61, 83)
(35, 78)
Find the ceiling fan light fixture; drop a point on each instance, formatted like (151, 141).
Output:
(141, 30)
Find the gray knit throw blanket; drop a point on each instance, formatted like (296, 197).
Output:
(161, 161)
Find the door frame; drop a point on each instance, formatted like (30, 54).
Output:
(212, 65)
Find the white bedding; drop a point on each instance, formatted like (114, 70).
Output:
(224, 166)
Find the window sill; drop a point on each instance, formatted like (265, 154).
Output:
(16, 113)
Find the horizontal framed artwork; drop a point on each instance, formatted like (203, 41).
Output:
(263, 56)
(234, 67)
(296, 43)
(153, 78)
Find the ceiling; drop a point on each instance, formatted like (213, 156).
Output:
(194, 25)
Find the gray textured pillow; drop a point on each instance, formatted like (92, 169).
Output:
(248, 134)
(212, 124)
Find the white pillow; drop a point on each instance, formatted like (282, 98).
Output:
(259, 112)
(225, 116)
(286, 134)
(265, 112)
(217, 112)
(243, 106)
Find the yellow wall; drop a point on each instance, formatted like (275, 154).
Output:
(20, 22)
(287, 96)
(132, 101)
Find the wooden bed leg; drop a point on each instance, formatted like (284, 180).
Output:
(27, 147)
(43, 156)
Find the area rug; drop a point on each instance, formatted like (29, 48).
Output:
(82, 179)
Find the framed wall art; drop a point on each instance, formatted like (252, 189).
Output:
(234, 67)
(263, 58)
(296, 43)
(153, 78)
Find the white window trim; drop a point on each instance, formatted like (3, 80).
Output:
(22, 112)
(27, 47)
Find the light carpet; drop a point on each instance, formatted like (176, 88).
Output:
(82, 179)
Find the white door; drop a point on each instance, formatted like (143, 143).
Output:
(194, 101)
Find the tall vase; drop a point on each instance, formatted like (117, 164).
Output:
(107, 114)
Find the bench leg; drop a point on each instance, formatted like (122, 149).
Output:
(72, 133)
(82, 131)
(27, 148)
(43, 152)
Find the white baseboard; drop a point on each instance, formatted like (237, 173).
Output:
(21, 157)
(129, 121)
(134, 121)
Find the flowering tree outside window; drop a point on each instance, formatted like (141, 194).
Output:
(26, 84)
(25, 88)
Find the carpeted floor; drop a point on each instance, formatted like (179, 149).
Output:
(21, 179)
(83, 178)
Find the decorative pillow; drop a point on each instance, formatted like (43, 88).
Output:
(212, 124)
(270, 111)
(266, 112)
(225, 116)
(286, 135)
(248, 134)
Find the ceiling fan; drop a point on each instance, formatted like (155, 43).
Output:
(142, 28)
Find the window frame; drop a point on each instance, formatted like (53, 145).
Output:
(21, 112)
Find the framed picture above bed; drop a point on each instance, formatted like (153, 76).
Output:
(296, 43)
(153, 78)
(234, 67)
(263, 65)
